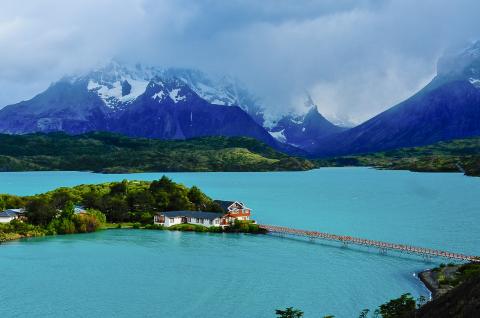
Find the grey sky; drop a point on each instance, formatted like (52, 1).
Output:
(356, 58)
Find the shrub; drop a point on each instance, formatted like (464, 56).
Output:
(146, 218)
(66, 226)
(188, 228)
(245, 227)
(86, 223)
(215, 229)
(136, 225)
(98, 215)
(154, 227)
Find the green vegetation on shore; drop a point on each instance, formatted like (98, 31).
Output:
(448, 156)
(59, 222)
(236, 227)
(109, 205)
(444, 278)
(111, 153)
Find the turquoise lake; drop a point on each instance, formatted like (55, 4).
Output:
(139, 273)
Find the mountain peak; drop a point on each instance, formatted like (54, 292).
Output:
(463, 64)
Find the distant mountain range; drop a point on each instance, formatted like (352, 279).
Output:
(116, 101)
(174, 103)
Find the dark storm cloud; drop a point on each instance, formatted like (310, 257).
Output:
(355, 58)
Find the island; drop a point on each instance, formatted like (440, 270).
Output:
(158, 205)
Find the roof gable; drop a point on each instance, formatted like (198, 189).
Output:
(228, 206)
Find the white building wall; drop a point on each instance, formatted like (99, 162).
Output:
(172, 221)
(4, 219)
(178, 220)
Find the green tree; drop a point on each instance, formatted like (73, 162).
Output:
(162, 200)
(165, 184)
(197, 197)
(289, 312)
(61, 197)
(119, 188)
(115, 208)
(92, 199)
(179, 200)
(399, 307)
(68, 210)
(141, 200)
(39, 211)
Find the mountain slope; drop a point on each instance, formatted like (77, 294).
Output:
(106, 152)
(447, 108)
(161, 108)
(171, 110)
(63, 106)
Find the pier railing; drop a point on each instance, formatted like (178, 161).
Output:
(382, 246)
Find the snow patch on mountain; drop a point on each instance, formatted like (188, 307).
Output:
(175, 96)
(111, 93)
(158, 96)
(474, 81)
(279, 135)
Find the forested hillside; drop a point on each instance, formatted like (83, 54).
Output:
(106, 152)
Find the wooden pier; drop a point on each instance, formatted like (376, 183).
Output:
(382, 246)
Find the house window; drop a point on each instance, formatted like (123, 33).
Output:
(172, 220)
(199, 220)
(189, 220)
(217, 221)
(211, 221)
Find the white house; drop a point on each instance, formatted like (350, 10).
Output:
(10, 214)
(207, 219)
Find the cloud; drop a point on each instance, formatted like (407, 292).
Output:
(356, 58)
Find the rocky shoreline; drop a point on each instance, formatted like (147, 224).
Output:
(434, 279)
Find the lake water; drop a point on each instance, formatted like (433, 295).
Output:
(135, 273)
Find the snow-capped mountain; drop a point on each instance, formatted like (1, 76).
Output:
(302, 130)
(99, 99)
(142, 102)
(118, 85)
